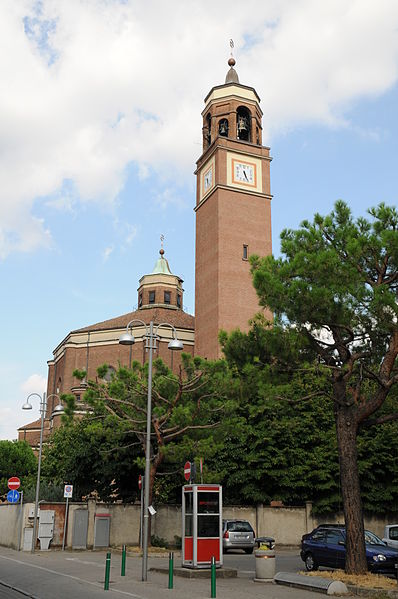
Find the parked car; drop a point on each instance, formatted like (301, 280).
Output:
(238, 534)
(391, 535)
(325, 546)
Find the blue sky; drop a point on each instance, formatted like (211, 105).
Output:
(100, 130)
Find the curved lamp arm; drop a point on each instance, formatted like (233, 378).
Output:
(43, 403)
(128, 339)
(175, 344)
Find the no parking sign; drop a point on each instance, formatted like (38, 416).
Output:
(68, 490)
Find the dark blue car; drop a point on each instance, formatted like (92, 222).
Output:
(325, 546)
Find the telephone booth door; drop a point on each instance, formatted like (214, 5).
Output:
(201, 525)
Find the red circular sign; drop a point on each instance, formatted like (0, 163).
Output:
(14, 483)
(187, 470)
(140, 482)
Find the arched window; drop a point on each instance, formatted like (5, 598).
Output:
(208, 133)
(243, 122)
(223, 128)
(109, 373)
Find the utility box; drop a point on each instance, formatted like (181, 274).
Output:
(201, 526)
(46, 528)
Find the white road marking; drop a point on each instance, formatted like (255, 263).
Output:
(17, 561)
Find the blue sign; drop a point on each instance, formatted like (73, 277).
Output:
(13, 496)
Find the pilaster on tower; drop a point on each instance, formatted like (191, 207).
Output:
(233, 211)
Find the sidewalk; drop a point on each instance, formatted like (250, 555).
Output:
(58, 575)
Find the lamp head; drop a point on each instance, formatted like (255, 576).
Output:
(27, 406)
(126, 339)
(59, 408)
(176, 345)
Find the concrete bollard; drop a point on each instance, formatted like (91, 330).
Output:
(265, 565)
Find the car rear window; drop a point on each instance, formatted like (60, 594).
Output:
(239, 527)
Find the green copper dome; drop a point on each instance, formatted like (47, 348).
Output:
(162, 266)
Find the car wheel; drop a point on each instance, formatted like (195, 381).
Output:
(249, 550)
(310, 563)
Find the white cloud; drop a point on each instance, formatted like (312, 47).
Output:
(107, 252)
(91, 86)
(35, 383)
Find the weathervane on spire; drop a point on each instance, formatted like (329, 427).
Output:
(161, 245)
(232, 76)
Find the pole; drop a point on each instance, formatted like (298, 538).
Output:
(142, 510)
(107, 571)
(21, 522)
(65, 523)
(147, 458)
(42, 410)
(123, 569)
(171, 569)
(213, 577)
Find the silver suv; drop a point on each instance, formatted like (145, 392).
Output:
(238, 534)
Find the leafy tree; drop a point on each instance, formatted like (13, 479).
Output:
(187, 409)
(94, 457)
(337, 284)
(287, 444)
(16, 459)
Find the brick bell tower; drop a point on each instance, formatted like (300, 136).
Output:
(233, 211)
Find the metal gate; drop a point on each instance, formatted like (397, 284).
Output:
(102, 530)
(80, 527)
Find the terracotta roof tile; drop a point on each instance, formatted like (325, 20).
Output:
(31, 425)
(177, 318)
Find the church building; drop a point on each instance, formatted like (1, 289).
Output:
(233, 221)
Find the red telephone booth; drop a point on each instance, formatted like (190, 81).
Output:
(201, 525)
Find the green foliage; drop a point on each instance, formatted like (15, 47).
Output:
(16, 459)
(158, 542)
(188, 413)
(95, 457)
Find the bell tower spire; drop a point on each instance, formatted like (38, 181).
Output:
(233, 210)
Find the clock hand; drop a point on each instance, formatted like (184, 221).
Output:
(244, 172)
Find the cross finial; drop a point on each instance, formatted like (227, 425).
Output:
(231, 61)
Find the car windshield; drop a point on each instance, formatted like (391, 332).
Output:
(239, 527)
(372, 539)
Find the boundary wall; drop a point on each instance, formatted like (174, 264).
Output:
(285, 524)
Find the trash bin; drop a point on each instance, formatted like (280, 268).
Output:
(268, 541)
(265, 565)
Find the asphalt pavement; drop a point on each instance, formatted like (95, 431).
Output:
(80, 575)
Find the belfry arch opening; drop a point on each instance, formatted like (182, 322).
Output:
(223, 128)
(208, 129)
(243, 123)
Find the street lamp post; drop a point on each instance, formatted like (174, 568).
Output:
(43, 407)
(151, 337)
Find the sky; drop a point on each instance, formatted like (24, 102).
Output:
(100, 129)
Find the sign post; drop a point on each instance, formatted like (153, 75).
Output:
(20, 522)
(68, 491)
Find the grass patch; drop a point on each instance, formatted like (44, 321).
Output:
(368, 581)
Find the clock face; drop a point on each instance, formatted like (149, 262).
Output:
(208, 179)
(244, 173)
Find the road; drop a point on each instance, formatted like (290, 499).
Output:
(80, 575)
(286, 561)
